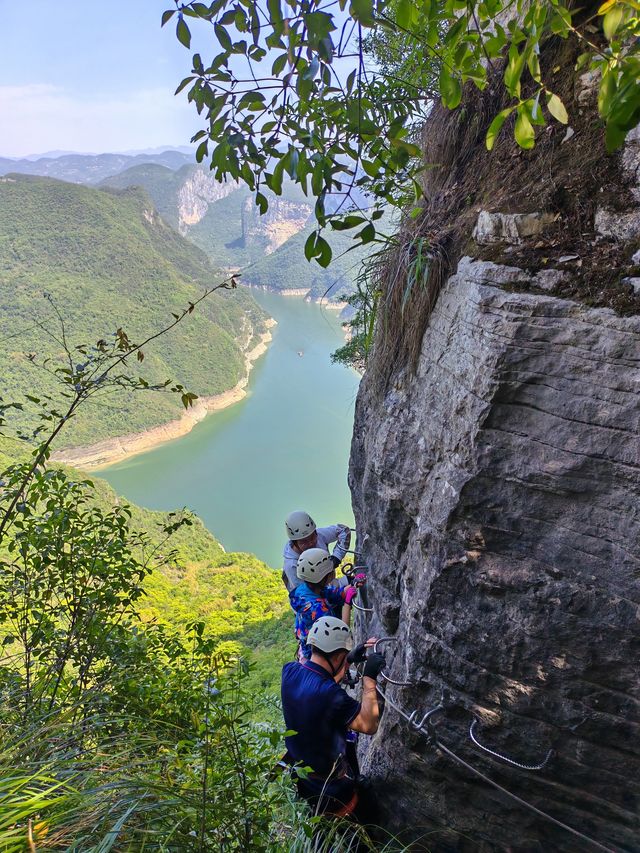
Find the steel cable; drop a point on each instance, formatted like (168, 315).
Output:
(430, 735)
(505, 758)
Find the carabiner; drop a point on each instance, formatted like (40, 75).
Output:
(382, 673)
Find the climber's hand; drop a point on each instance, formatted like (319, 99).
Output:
(371, 642)
(359, 579)
(358, 654)
(373, 665)
(350, 593)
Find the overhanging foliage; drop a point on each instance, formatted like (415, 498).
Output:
(303, 101)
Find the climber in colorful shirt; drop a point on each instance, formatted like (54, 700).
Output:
(302, 534)
(315, 596)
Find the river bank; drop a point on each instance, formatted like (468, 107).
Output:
(240, 469)
(297, 291)
(104, 453)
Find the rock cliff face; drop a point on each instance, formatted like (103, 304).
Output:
(282, 220)
(496, 488)
(198, 191)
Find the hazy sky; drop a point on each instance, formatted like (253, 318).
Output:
(91, 75)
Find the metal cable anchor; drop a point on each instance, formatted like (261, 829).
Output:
(505, 758)
(382, 673)
(427, 720)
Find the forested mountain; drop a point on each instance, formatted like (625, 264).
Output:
(287, 269)
(181, 196)
(104, 260)
(90, 168)
(219, 218)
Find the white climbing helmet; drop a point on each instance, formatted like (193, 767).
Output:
(314, 564)
(299, 525)
(330, 634)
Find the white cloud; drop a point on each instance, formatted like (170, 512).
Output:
(41, 117)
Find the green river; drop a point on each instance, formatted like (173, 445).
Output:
(284, 446)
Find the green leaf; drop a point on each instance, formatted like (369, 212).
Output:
(614, 136)
(495, 127)
(524, 133)
(310, 246)
(323, 252)
(450, 89)
(279, 63)
(561, 22)
(223, 38)
(362, 11)
(262, 203)
(557, 109)
(182, 32)
(513, 71)
(582, 60)
(411, 149)
(201, 151)
(404, 14)
(612, 21)
(275, 15)
(166, 16)
(347, 222)
(606, 93)
(319, 25)
(368, 233)
(184, 83)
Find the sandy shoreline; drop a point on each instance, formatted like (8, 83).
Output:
(111, 450)
(298, 291)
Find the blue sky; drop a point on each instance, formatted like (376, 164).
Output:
(91, 75)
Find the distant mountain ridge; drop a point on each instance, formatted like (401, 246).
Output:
(90, 168)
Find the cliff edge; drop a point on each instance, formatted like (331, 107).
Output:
(495, 474)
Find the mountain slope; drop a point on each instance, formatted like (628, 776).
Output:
(223, 221)
(219, 218)
(182, 197)
(241, 600)
(108, 260)
(287, 268)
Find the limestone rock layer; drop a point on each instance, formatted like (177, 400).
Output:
(497, 494)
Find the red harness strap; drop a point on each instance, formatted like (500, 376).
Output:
(347, 810)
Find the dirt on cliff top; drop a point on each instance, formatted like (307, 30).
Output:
(568, 174)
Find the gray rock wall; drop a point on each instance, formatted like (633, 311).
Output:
(282, 220)
(199, 190)
(499, 491)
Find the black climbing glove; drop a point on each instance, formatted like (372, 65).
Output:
(335, 560)
(358, 654)
(373, 665)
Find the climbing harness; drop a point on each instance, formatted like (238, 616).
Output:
(505, 758)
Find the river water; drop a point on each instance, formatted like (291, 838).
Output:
(285, 446)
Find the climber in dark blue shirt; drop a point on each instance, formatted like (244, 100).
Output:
(320, 713)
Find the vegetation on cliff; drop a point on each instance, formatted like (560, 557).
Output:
(351, 128)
